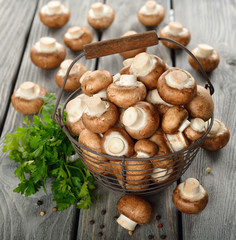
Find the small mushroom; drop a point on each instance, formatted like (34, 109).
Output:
(73, 81)
(141, 120)
(151, 14)
(74, 110)
(175, 119)
(176, 32)
(131, 53)
(47, 53)
(126, 91)
(202, 105)
(94, 162)
(54, 14)
(176, 86)
(148, 68)
(206, 55)
(133, 210)
(154, 98)
(117, 142)
(100, 16)
(190, 197)
(27, 99)
(76, 37)
(99, 115)
(145, 148)
(162, 175)
(195, 130)
(177, 141)
(96, 81)
(218, 136)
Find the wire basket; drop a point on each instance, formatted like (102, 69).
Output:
(131, 175)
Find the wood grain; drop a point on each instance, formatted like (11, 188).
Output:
(212, 22)
(19, 216)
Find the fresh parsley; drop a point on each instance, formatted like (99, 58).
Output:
(43, 151)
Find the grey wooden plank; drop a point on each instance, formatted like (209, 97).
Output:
(214, 26)
(126, 20)
(19, 215)
(14, 31)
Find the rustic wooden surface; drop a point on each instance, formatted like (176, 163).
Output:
(211, 22)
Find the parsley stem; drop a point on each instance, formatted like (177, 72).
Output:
(68, 171)
(77, 169)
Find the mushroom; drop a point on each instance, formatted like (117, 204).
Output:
(176, 32)
(151, 14)
(154, 98)
(94, 162)
(100, 16)
(145, 148)
(73, 80)
(176, 86)
(96, 81)
(195, 130)
(47, 53)
(54, 14)
(218, 136)
(162, 175)
(148, 68)
(133, 210)
(99, 115)
(131, 53)
(177, 141)
(76, 37)
(117, 142)
(141, 120)
(126, 91)
(202, 105)
(190, 197)
(27, 99)
(74, 110)
(206, 55)
(175, 119)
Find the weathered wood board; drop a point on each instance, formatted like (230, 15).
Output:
(19, 216)
(213, 22)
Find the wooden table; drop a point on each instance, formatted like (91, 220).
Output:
(211, 22)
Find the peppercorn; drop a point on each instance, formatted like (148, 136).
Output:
(150, 236)
(100, 234)
(163, 236)
(160, 225)
(54, 209)
(115, 218)
(158, 217)
(208, 170)
(102, 226)
(103, 212)
(92, 222)
(39, 202)
(42, 213)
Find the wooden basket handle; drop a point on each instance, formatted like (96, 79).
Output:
(118, 45)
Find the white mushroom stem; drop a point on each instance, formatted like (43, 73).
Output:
(54, 7)
(161, 174)
(74, 33)
(47, 44)
(126, 222)
(28, 91)
(116, 145)
(95, 106)
(217, 129)
(98, 10)
(142, 64)
(179, 80)
(116, 77)
(127, 62)
(127, 81)
(175, 28)
(102, 94)
(204, 50)
(142, 155)
(198, 125)
(154, 97)
(191, 190)
(134, 118)
(150, 7)
(177, 141)
(65, 65)
(184, 125)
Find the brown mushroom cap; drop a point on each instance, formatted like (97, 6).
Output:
(190, 197)
(73, 81)
(173, 119)
(96, 81)
(126, 95)
(148, 68)
(131, 53)
(117, 142)
(76, 37)
(99, 122)
(135, 208)
(207, 56)
(151, 14)
(195, 130)
(96, 18)
(176, 86)
(28, 106)
(202, 105)
(218, 136)
(146, 146)
(45, 59)
(176, 32)
(141, 120)
(54, 14)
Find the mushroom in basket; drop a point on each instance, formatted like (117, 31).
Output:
(196, 129)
